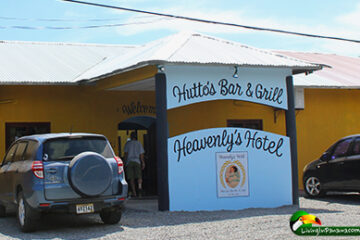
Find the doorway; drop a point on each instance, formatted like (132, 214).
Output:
(145, 128)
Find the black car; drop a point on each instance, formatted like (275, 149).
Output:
(338, 169)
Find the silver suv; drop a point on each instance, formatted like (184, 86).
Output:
(74, 173)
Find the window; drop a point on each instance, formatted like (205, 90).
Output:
(248, 123)
(67, 148)
(13, 131)
(31, 149)
(341, 148)
(20, 151)
(10, 155)
(356, 147)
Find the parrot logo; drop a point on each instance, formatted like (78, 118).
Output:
(302, 218)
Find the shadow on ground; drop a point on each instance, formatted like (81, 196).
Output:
(341, 198)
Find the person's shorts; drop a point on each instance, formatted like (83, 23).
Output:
(133, 170)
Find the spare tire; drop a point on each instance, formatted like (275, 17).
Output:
(90, 174)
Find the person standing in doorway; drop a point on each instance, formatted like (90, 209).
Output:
(134, 158)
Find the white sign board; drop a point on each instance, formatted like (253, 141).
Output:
(193, 84)
(203, 164)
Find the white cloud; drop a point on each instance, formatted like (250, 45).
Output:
(161, 23)
(352, 18)
(232, 17)
(346, 26)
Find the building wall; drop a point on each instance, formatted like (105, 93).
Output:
(329, 114)
(75, 108)
(216, 113)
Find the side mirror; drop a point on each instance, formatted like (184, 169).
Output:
(325, 156)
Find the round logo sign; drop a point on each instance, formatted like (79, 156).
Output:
(232, 174)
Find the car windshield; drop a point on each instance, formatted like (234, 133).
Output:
(68, 148)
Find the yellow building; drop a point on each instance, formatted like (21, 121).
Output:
(216, 87)
(327, 104)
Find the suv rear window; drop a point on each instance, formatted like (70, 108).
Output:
(67, 148)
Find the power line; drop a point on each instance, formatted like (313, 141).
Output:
(215, 22)
(62, 19)
(79, 27)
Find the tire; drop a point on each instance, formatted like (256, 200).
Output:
(90, 174)
(312, 187)
(110, 216)
(26, 216)
(2, 211)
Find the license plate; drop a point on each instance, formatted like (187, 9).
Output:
(84, 208)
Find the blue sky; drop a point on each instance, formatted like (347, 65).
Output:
(331, 17)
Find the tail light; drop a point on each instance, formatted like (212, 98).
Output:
(120, 164)
(38, 169)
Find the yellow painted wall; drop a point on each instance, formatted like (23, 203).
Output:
(80, 108)
(329, 114)
(216, 113)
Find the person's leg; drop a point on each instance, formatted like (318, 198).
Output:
(138, 176)
(132, 185)
(140, 187)
(140, 183)
(131, 175)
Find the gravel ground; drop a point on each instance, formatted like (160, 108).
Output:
(141, 221)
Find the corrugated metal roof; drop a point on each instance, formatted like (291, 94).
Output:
(35, 62)
(29, 62)
(338, 71)
(194, 48)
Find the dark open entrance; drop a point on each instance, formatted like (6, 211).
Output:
(145, 128)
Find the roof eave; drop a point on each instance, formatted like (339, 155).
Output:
(306, 70)
(41, 83)
(295, 69)
(327, 87)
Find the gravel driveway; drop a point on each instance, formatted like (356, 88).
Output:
(141, 221)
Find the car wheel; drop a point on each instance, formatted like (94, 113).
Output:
(26, 216)
(2, 211)
(312, 187)
(110, 216)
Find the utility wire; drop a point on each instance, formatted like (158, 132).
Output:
(215, 22)
(58, 19)
(80, 27)
(63, 20)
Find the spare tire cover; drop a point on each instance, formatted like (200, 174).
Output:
(90, 174)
